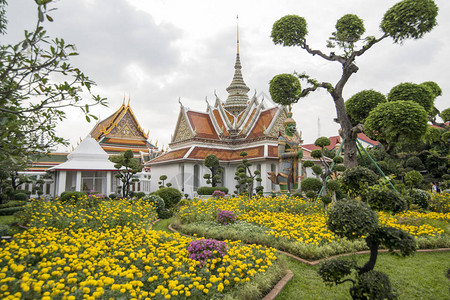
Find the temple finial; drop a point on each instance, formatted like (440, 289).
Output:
(129, 99)
(237, 27)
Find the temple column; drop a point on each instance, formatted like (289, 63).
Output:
(108, 183)
(61, 182)
(78, 182)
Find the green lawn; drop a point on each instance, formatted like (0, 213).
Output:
(6, 219)
(421, 276)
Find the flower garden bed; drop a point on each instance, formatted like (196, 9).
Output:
(103, 249)
(299, 227)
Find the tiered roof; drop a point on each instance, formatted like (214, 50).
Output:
(121, 131)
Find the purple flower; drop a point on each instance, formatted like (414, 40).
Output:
(225, 217)
(204, 249)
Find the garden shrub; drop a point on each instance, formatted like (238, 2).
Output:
(170, 195)
(20, 196)
(355, 181)
(352, 219)
(157, 201)
(384, 199)
(205, 249)
(218, 194)
(310, 194)
(10, 210)
(372, 285)
(420, 197)
(225, 217)
(71, 197)
(209, 190)
(4, 230)
(165, 214)
(139, 195)
(13, 204)
(334, 270)
(113, 196)
(3, 198)
(311, 184)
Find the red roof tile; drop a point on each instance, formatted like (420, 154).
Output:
(264, 120)
(203, 125)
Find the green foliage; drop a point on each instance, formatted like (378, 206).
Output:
(127, 167)
(245, 178)
(317, 153)
(409, 19)
(157, 201)
(71, 197)
(38, 68)
(373, 285)
(165, 214)
(359, 105)
(412, 178)
(308, 163)
(352, 219)
(333, 185)
(335, 270)
(20, 196)
(10, 210)
(433, 87)
(285, 89)
(338, 159)
(139, 195)
(290, 30)
(349, 30)
(396, 239)
(384, 199)
(415, 163)
(4, 230)
(445, 115)
(209, 190)
(170, 195)
(355, 181)
(339, 168)
(317, 170)
(408, 91)
(212, 163)
(396, 122)
(322, 142)
(311, 184)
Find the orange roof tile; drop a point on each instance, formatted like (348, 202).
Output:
(203, 125)
(265, 118)
(171, 155)
(249, 120)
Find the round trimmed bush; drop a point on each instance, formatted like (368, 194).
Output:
(352, 219)
(311, 184)
(20, 196)
(157, 200)
(170, 195)
(308, 163)
(420, 198)
(384, 199)
(355, 179)
(373, 285)
(139, 195)
(71, 196)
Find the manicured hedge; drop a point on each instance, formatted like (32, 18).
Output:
(209, 190)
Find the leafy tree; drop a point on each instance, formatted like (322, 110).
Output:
(37, 83)
(162, 178)
(127, 167)
(412, 92)
(398, 122)
(359, 105)
(408, 19)
(245, 177)
(213, 164)
(285, 89)
(354, 219)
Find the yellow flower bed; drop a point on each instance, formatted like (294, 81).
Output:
(123, 262)
(285, 220)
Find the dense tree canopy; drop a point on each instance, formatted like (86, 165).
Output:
(359, 105)
(407, 19)
(37, 83)
(285, 89)
(412, 92)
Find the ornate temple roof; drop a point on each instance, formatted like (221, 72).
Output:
(121, 131)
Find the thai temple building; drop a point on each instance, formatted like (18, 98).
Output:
(240, 123)
(114, 135)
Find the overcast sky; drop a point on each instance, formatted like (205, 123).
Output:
(154, 52)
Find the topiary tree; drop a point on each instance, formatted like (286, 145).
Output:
(327, 168)
(285, 89)
(162, 178)
(408, 19)
(354, 219)
(359, 105)
(245, 177)
(127, 167)
(311, 186)
(413, 178)
(398, 122)
(412, 92)
(213, 164)
(356, 181)
(171, 196)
